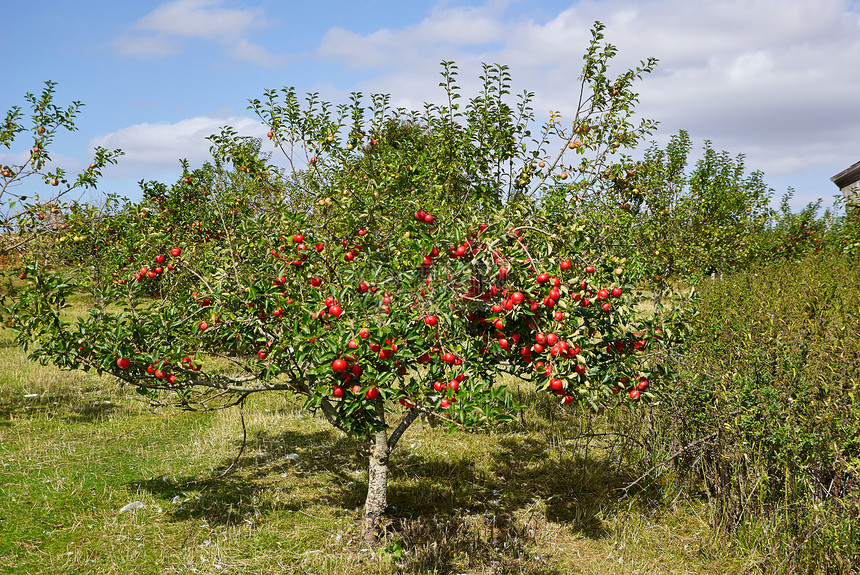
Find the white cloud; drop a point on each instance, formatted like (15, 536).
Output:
(444, 30)
(255, 54)
(201, 19)
(463, 26)
(750, 66)
(157, 147)
(776, 80)
(356, 50)
(160, 33)
(145, 46)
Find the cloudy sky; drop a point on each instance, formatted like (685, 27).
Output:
(775, 80)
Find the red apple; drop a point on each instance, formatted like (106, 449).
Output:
(339, 365)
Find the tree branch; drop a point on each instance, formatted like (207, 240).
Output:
(402, 427)
(681, 451)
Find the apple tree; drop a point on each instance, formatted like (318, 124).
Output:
(398, 264)
(848, 231)
(33, 190)
(691, 223)
(793, 236)
(20, 201)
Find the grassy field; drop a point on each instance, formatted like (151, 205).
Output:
(539, 496)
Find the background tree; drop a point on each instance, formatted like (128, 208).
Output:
(24, 211)
(32, 213)
(793, 236)
(688, 225)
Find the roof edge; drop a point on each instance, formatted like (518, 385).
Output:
(847, 176)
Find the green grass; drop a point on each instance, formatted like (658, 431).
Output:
(540, 496)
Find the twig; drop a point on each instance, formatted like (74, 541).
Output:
(238, 455)
(681, 451)
(439, 416)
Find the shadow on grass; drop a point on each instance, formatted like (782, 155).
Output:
(523, 474)
(454, 517)
(233, 498)
(71, 408)
(446, 513)
(8, 343)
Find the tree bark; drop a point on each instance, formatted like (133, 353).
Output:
(377, 473)
(377, 481)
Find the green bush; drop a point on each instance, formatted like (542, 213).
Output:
(768, 405)
(846, 236)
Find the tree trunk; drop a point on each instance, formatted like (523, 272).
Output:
(377, 482)
(377, 472)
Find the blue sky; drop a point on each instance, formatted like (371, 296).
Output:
(776, 80)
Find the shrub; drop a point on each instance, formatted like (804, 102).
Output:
(772, 396)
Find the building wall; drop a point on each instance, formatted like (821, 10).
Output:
(852, 192)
